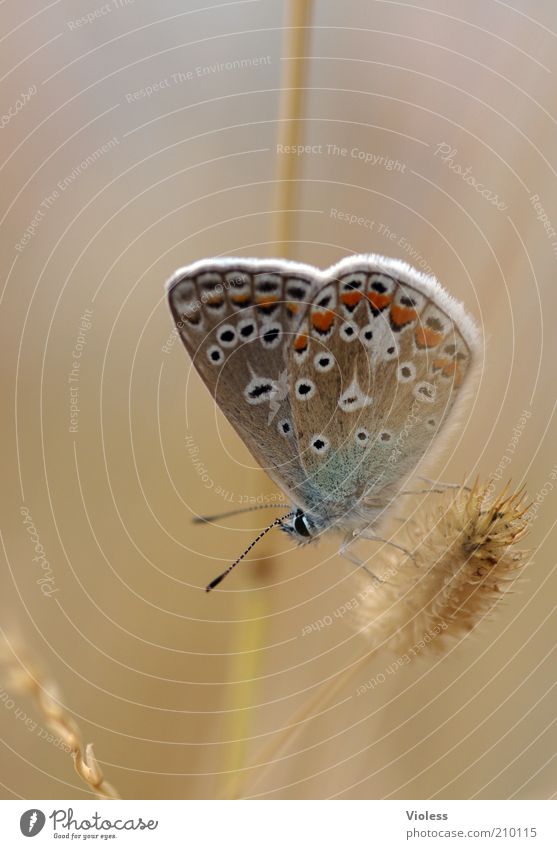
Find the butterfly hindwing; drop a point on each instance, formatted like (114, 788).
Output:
(380, 357)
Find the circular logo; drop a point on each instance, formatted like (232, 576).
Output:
(32, 822)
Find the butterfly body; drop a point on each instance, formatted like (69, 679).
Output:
(338, 381)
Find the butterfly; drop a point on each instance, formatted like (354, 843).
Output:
(338, 381)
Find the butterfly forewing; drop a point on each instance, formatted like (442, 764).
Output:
(237, 319)
(373, 373)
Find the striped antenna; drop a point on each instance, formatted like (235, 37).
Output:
(277, 522)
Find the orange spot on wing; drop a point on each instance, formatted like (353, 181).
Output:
(301, 342)
(379, 300)
(292, 307)
(240, 299)
(446, 367)
(323, 321)
(428, 338)
(351, 298)
(402, 315)
(266, 300)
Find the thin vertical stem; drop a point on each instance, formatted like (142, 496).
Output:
(291, 110)
(321, 699)
(254, 607)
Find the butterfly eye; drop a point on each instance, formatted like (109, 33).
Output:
(301, 524)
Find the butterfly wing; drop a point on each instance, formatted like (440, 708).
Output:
(380, 357)
(236, 318)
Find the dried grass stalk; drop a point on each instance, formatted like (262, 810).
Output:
(22, 677)
(463, 564)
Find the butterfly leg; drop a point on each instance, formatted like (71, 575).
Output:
(367, 533)
(438, 487)
(444, 485)
(345, 552)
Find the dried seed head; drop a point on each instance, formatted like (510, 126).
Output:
(463, 564)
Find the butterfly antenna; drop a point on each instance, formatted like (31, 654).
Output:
(202, 520)
(216, 581)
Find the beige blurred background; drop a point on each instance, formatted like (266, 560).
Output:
(178, 689)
